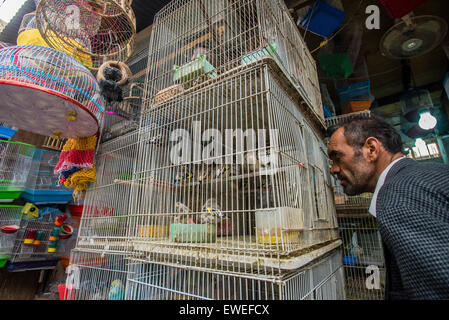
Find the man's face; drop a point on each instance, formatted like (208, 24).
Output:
(349, 164)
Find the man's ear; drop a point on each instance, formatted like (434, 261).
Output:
(372, 149)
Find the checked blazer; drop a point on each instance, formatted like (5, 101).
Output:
(413, 220)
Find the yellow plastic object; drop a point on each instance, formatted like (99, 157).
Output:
(33, 37)
(153, 231)
(31, 211)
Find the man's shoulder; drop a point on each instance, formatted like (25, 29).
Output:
(409, 173)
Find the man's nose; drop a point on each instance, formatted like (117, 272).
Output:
(335, 169)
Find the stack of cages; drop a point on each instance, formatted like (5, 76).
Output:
(231, 183)
(42, 185)
(362, 245)
(15, 163)
(98, 261)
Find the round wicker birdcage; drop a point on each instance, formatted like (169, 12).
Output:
(102, 30)
(47, 92)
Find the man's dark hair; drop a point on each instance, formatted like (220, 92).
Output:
(360, 127)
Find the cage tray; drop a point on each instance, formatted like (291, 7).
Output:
(9, 194)
(47, 196)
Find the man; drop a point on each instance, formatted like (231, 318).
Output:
(410, 202)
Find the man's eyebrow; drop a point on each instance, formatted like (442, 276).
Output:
(333, 153)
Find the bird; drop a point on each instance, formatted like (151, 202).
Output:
(117, 290)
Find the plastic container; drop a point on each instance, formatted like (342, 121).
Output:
(269, 50)
(153, 231)
(191, 70)
(6, 133)
(356, 106)
(399, 8)
(279, 226)
(323, 19)
(336, 65)
(193, 233)
(359, 89)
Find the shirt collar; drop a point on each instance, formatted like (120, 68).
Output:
(380, 183)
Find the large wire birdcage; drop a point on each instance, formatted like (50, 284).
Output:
(362, 256)
(239, 205)
(42, 184)
(104, 223)
(48, 93)
(15, 164)
(10, 217)
(320, 280)
(96, 276)
(93, 32)
(196, 41)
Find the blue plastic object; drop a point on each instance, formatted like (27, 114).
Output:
(354, 90)
(6, 133)
(47, 196)
(324, 20)
(350, 260)
(327, 113)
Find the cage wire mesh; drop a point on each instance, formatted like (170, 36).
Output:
(261, 195)
(10, 217)
(15, 164)
(96, 276)
(362, 256)
(42, 185)
(196, 41)
(149, 281)
(91, 31)
(49, 92)
(104, 223)
(25, 251)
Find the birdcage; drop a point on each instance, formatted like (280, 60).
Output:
(48, 93)
(196, 41)
(15, 164)
(92, 32)
(104, 222)
(341, 120)
(320, 280)
(95, 276)
(54, 143)
(42, 184)
(232, 177)
(362, 256)
(33, 242)
(10, 217)
(117, 123)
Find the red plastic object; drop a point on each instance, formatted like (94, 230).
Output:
(76, 210)
(60, 220)
(10, 228)
(399, 8)
(66, 294)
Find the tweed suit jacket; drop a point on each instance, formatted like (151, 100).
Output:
(413, 220)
